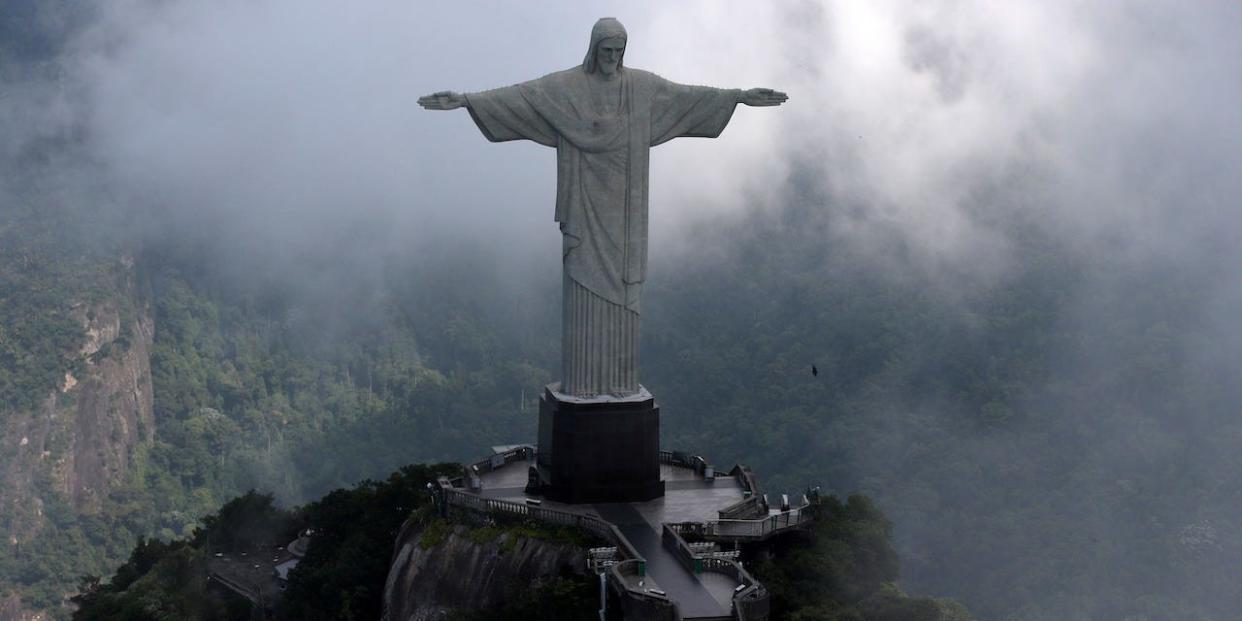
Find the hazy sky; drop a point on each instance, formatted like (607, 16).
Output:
(302, 111)
(293, 125)
(1108, 119)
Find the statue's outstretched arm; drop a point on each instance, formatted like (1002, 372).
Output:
(443, 100)
(761, 97)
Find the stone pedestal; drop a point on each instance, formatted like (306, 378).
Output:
(599, 450)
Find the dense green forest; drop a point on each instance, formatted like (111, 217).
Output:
(1023, 478)
(841, 570)
(58, 256)
(341, 577)
(248, 395)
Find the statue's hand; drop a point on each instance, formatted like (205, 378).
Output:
(763, 97)
(443, 100)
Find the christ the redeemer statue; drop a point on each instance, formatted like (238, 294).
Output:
(603, 118)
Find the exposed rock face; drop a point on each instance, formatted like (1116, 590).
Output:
(79, 442)
(460, 574)
(11, 610)
(112, 410)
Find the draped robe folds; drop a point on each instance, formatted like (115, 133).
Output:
(601, 199)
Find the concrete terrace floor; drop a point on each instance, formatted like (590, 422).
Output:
(687, 498)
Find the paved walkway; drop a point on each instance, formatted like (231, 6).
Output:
(692, 596)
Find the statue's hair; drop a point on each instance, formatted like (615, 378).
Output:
(605, 28)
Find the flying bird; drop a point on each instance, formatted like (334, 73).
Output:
(814, 371)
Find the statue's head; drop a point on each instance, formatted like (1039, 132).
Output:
(607, 47)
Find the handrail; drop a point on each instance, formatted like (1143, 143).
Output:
(680, 549)
(631, 561)
(752, 504)
(522, 452)
(616, 578)
(746, 478)
(751, 529)
(255, 597)
(697, 463)
(624, 544)
(739, 510)
(750, 602)
(617, 574)
(603, 528)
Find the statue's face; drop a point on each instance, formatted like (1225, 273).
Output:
(608, 54)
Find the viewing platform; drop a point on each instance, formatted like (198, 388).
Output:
(652, 571)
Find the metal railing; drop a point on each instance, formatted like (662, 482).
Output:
(749, 530)
(761, 528)
(750, 601)
(254, 595)
(602, 528)
(747, 508)
(697, 463)
(523, 452)
(752, 505)
(680, 549)
(630, 563)
(746, 478)
(622, 572)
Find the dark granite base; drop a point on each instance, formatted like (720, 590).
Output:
(599, 451)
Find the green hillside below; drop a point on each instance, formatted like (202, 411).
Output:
(843, 570)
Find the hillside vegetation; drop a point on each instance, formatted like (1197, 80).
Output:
(1023, 434)
(841, 570)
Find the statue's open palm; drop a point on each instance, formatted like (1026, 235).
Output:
(443, 100)
(763, 97)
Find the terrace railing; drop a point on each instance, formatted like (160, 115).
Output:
(621, 575)
(750, 530)
(761, 528)
(604, 529)
(752, 505)
(750, 599)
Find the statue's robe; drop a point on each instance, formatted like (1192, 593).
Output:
(602, 149)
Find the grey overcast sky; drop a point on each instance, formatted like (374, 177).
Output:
(1111, 123)
(286, 109)
(1109, 118)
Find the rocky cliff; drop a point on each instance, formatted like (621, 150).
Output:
(11, 609)
(79, 442)
(462, 571)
